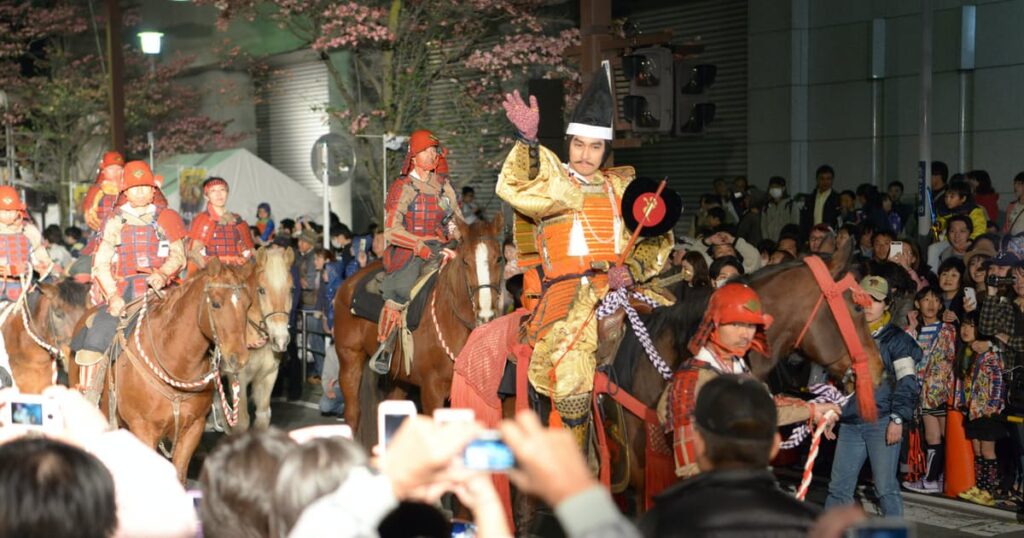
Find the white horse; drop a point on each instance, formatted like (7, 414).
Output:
(267, 333)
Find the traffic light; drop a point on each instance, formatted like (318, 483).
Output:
(693, 110)
(649, 103)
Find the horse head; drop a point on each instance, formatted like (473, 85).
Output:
(222, 315)
(61, 306)
(480, 264)
(271, 285)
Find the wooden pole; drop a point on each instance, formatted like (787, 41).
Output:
(115, 76)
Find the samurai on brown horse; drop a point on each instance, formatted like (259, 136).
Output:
(161, 378)
(466, 286)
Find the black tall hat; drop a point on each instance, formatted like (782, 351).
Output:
(595, 111)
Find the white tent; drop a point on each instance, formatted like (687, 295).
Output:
(251, 180)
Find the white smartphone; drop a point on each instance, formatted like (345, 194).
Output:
(447, 415)
(33, 412)
(970, 295)
(390, 416)
(895, 249)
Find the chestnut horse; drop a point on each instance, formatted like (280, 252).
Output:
(271, 285)
(789, 292)
(48, 318)
(162, 381)
(467, 293)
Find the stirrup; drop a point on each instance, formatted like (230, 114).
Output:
(380, 362)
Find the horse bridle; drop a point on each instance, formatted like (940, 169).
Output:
(472, 290)
(235, 288)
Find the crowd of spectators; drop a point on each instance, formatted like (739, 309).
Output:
(959, 295)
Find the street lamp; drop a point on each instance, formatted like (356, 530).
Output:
(151, 42)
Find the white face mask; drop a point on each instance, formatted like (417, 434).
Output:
(775, 192)
(335, 243)
(720, 282)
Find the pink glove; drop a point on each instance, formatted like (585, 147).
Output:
(525, 118)
(619, 277)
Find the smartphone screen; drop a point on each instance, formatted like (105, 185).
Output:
(391, 425)
(27, 413)
(488, 454)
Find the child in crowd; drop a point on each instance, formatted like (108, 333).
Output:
(937, 340)
(982, 399)
(951, 273)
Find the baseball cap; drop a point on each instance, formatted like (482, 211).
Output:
(736, 406)
(876, 287)
(1005, 259)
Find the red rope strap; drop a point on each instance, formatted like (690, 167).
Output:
(833, 293)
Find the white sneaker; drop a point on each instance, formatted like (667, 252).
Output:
(924, 486)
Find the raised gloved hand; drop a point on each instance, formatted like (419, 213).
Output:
(429, 247)
(524, 117)
(619, 277)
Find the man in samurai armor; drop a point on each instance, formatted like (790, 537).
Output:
(569, 235)
(141, 247)
(96, 206)
(21, 246)
(418, 224)
(217, 231)
(733, 324)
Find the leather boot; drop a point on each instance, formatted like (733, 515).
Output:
(387, 330)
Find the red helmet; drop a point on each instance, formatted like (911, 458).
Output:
(137, 173)
(9, 199)
(111, 157)
(737, 303)
(421, 140)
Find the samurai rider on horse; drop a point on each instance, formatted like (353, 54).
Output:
(418, 227)
(141, 247)
(21, 246)
(573, 246)
(218, 232)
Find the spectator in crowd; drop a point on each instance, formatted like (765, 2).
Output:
(909, 259)
(892, 216)
(73, 240)
(982, 400)
(694, 268)
(739, 195)
(905, 211)
(723, 269)
(341, 243)
(896, 400)
(765, 247)
(309, 283)
(780, 256)
(959, 238)
(264, 223)
(984, 195)
(50, 488)
(789, 239)
(960, 201)
(1014, 223)
(736, 436)
(286, 228)
(870, 206)
(749, 227)
(237, 483)
(940, 174)
(822, 241)
(951, 275)
(977, 261)
(467, 203)
(725, 197)
(822, 205)
(865, 240)
(937, 340)
(881, 243)
(700, 219)
(53, 237)
(724, 243)
(778, 212)
(715, 219)
(848, 213)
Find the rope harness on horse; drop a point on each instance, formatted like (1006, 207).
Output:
(620, 299)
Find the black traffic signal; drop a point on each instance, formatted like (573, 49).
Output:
(648, 107)
(693, 109)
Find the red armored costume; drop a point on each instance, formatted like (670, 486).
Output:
(21, 245)
(218, 232)
(101, 196)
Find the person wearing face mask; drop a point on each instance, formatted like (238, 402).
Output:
(733, 324)
(778, 212)
(724, 268)
(419, 220)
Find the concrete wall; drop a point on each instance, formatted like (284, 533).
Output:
(810, 97)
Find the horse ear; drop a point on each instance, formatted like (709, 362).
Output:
(842, 256)
(463, 228)
(213, 267)
(498, 224)
(49, 290)
(289, 257)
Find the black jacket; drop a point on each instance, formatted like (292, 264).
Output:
(829, 213)
(734, 502)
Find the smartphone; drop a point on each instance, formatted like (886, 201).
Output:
(33, 412)
(309, 433)
(488, 453)
(197, 497)
(447, 415)
(970, 295)
(881, 528)
(895, 249)
(390, 416)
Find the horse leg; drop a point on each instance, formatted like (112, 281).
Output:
(244, 382)
(432, 396)
(188, 439)
(261, 388)
(351, 377)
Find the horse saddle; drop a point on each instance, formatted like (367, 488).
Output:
(367, 301)
(127, 321)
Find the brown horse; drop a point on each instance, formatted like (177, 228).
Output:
(162, 381)
(466, 294)
(789, 292)
(49, 319)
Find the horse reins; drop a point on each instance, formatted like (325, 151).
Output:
(469, 290)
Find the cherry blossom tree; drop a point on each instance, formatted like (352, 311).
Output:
(404, 59)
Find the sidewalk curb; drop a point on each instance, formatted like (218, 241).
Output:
(938, 501)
